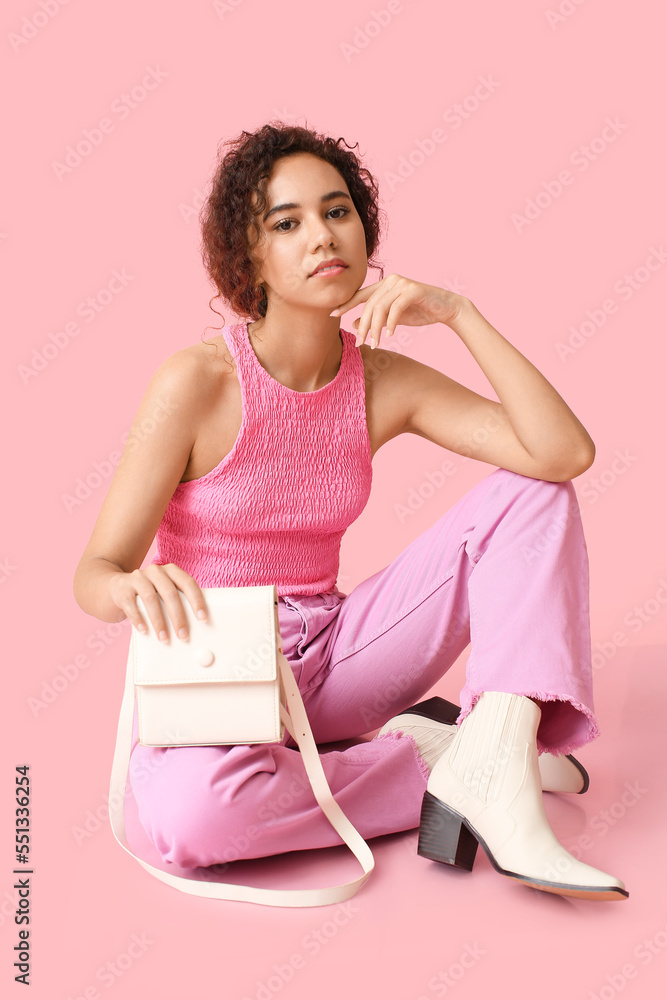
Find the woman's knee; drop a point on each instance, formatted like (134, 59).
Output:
(561, 494)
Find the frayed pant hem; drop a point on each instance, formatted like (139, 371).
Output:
(423, 766)
(557, 747)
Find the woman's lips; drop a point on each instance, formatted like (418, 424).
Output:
(328, 272)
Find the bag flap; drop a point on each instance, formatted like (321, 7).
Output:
(237, 644)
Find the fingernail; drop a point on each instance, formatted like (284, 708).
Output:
(182, 633)
(141, 628)
(201, 614)
(163, 636)
(334, 312)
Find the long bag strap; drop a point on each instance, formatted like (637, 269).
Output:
(297, 724)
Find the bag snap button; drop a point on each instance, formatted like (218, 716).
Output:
(204, 657)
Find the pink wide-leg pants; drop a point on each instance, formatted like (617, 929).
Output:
(504, 569)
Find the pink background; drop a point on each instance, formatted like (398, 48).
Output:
(386, 80)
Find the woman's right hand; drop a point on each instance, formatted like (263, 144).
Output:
(152, 583)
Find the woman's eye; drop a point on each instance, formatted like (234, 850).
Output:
(284, 222)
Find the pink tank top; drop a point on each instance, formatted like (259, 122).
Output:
(275, 509)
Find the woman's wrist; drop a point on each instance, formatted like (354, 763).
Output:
(460, 311)
(92, 589)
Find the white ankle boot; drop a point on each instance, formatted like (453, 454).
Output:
(432, 725)
(486, 790)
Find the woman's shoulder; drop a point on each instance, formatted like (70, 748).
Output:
(197, 371)
(211, 355)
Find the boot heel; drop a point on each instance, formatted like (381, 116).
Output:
(443, 835)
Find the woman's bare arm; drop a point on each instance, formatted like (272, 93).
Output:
(151, 466)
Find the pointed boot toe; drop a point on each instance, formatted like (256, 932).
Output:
(486, 790)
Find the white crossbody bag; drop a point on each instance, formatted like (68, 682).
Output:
(229, 683)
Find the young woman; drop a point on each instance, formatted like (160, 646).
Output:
(259, 461)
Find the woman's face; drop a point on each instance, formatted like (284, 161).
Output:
(321, 222)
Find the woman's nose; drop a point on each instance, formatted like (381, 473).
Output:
(320, 235)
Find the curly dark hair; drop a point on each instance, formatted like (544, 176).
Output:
(227, 213)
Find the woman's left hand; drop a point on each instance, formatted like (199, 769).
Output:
(397, 299)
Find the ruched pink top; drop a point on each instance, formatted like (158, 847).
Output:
(275, 509)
